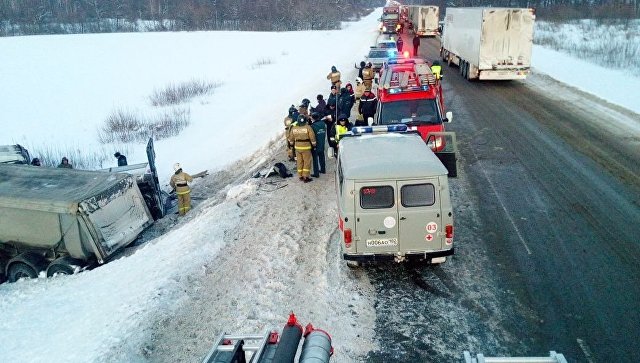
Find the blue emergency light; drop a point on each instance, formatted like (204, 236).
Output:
(357, 130)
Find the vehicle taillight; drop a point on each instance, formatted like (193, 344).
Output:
(435, 143)
(406, 53)
(448, 230)
(347, 237)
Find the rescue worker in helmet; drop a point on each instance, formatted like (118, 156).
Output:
(362, 65)
(122, 160)
(334, 77)
(180, 182)
(303, 139)
(303, 109)
(288, 121)
(436, 69)
(367, 75)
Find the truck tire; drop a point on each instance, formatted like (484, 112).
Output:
(353, 264)
(19, 270)
(63, 266)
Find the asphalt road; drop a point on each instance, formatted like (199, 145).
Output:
(547, 215)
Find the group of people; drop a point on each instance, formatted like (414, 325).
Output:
(64, 163)
(308, 129)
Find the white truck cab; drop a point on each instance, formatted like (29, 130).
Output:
(393, 199)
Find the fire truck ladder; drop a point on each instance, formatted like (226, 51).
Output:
(552, 358)
(231, 348)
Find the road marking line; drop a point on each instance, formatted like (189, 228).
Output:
(513, 223)
(586, 350)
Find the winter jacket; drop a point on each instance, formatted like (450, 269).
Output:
(320, 130)
(359, 90)
(368, 74)
(287, 122)
(345, 102)
(301, 136)
(122, 160)
(332, 103)
(340, 130)
(416, 41)
(179, 182)
(368, 104)
(334, 77)
(321, 108)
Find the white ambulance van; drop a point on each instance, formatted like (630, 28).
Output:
(393, 198)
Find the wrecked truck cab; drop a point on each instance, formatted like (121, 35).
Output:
(56, 220)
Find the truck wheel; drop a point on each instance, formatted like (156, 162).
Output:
(63, 266)
(21, 270)
(466, 71)
(353, 264)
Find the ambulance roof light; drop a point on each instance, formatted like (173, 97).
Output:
(358, 130)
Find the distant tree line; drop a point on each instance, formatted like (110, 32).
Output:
(19, 17)
(83, 16)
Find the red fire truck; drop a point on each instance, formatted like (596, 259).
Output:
(409, 94)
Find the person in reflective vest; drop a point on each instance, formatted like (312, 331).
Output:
(179, 182)
(302, 137)
(436, 69)
(342, 127)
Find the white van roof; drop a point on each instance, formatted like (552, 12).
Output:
(388, 156)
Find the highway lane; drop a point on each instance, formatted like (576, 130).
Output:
(558, 196)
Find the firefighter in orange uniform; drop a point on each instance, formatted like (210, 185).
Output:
(302, 137)
(179, 182)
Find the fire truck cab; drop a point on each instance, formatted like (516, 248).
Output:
(409, 94)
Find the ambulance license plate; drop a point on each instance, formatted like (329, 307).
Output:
(382, 242)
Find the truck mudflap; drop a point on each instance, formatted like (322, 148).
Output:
(445, 146)
(408, 256)
(503, 74)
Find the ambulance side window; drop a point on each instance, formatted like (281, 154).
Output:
(417, 195)
(376, 197)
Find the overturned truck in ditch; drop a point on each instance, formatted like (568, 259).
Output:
(57, 221)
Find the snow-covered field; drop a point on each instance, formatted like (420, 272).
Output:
(59, 89)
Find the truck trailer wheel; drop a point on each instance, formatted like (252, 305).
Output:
(19, 270)
(63, 266)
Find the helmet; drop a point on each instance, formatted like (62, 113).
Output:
(369, 64)
(343, 117)
(306, 102)
(362, 64)
(302, 119)
(117, 154)
(333, 69)
(292, 110)
(176, 166)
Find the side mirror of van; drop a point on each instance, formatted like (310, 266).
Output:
(449, 117)
(370, 121)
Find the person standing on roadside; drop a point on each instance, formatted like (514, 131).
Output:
(367, 107)
(122, 160)
(180, 182)
(416, 44)
(303, 140)
(288, 122)
(367, 75)
(320, 130)
(334, 77)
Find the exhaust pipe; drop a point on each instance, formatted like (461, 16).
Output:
(317, 346)
(289, 341)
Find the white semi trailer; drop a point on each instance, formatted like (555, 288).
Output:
(425, 19)
(488, 43)
(58, 220)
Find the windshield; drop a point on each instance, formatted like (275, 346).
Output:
(411, 112)
(389, 16)
(379, 54)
